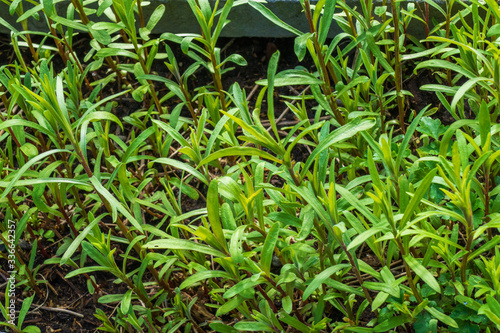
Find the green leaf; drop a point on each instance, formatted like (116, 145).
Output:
(115, 204)
(222, 328)
(307, 224)
(424, 233)
(155, 17)
(468, 302)
(181, 166)
(320, 278)
(292, 77)
(238, 151)
(372, 45)
(431, 127)
(383, 287)
(344, 88)
(32, 12)
(259, 135)
(300, 46)
(450, 132)
(444, 64)
(77, 241)
(8, 26)
(182, 244)
(464, 88)
(294, 322)
(126, 302)
(347, 195)
(272, 17)
(214, 214)
(343, 133)
(90, 269)
(493, 30)
(107, 26)
(13, 6)
(441, 316)
(484, 122)
(24, 310)
(267, 251)
(228, 221)
(101, 36)
(252, 326)
(230, 305)
(28, 165)
(287, 304)
(235, 245)
(48, 8)
(69, 23)
(271, 77)
(222, 20)
(391, 323)
(202, 276)
(326, 20)
(422, 272)
(234, 58)
(243, 285)
(312, 200)
(374, 174)
(38, 181)
(361, 238)
(493, 304)
(138, 141)
(95, 255)
(101, 115)
(417, 197)
(111, 52)
(29, 150)
(172, 132)
(407, 137)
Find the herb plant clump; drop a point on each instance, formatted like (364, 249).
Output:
(320, 200)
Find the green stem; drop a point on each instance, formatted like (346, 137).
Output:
(397, 67)
(323, 68)
(146, 71)
(123, 228)
(24, 24)
(487, 202)
(85, 21)
(468, 246)
(408, 271)
(356, 272)
(293, 174)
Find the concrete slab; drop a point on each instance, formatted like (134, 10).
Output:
(245, 21)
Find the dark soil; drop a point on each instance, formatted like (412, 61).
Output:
(423, 98)
(60, 293)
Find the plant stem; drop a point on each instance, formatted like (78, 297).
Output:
(85, 20)
(323, 68)
(126, 232)
(487, 201)
(146, 71)
(447, 35)
(409, 276)
(468, 246)
(397, 67)
(24, 24)
(356, 272)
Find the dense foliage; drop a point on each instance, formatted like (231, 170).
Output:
(281, 244)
